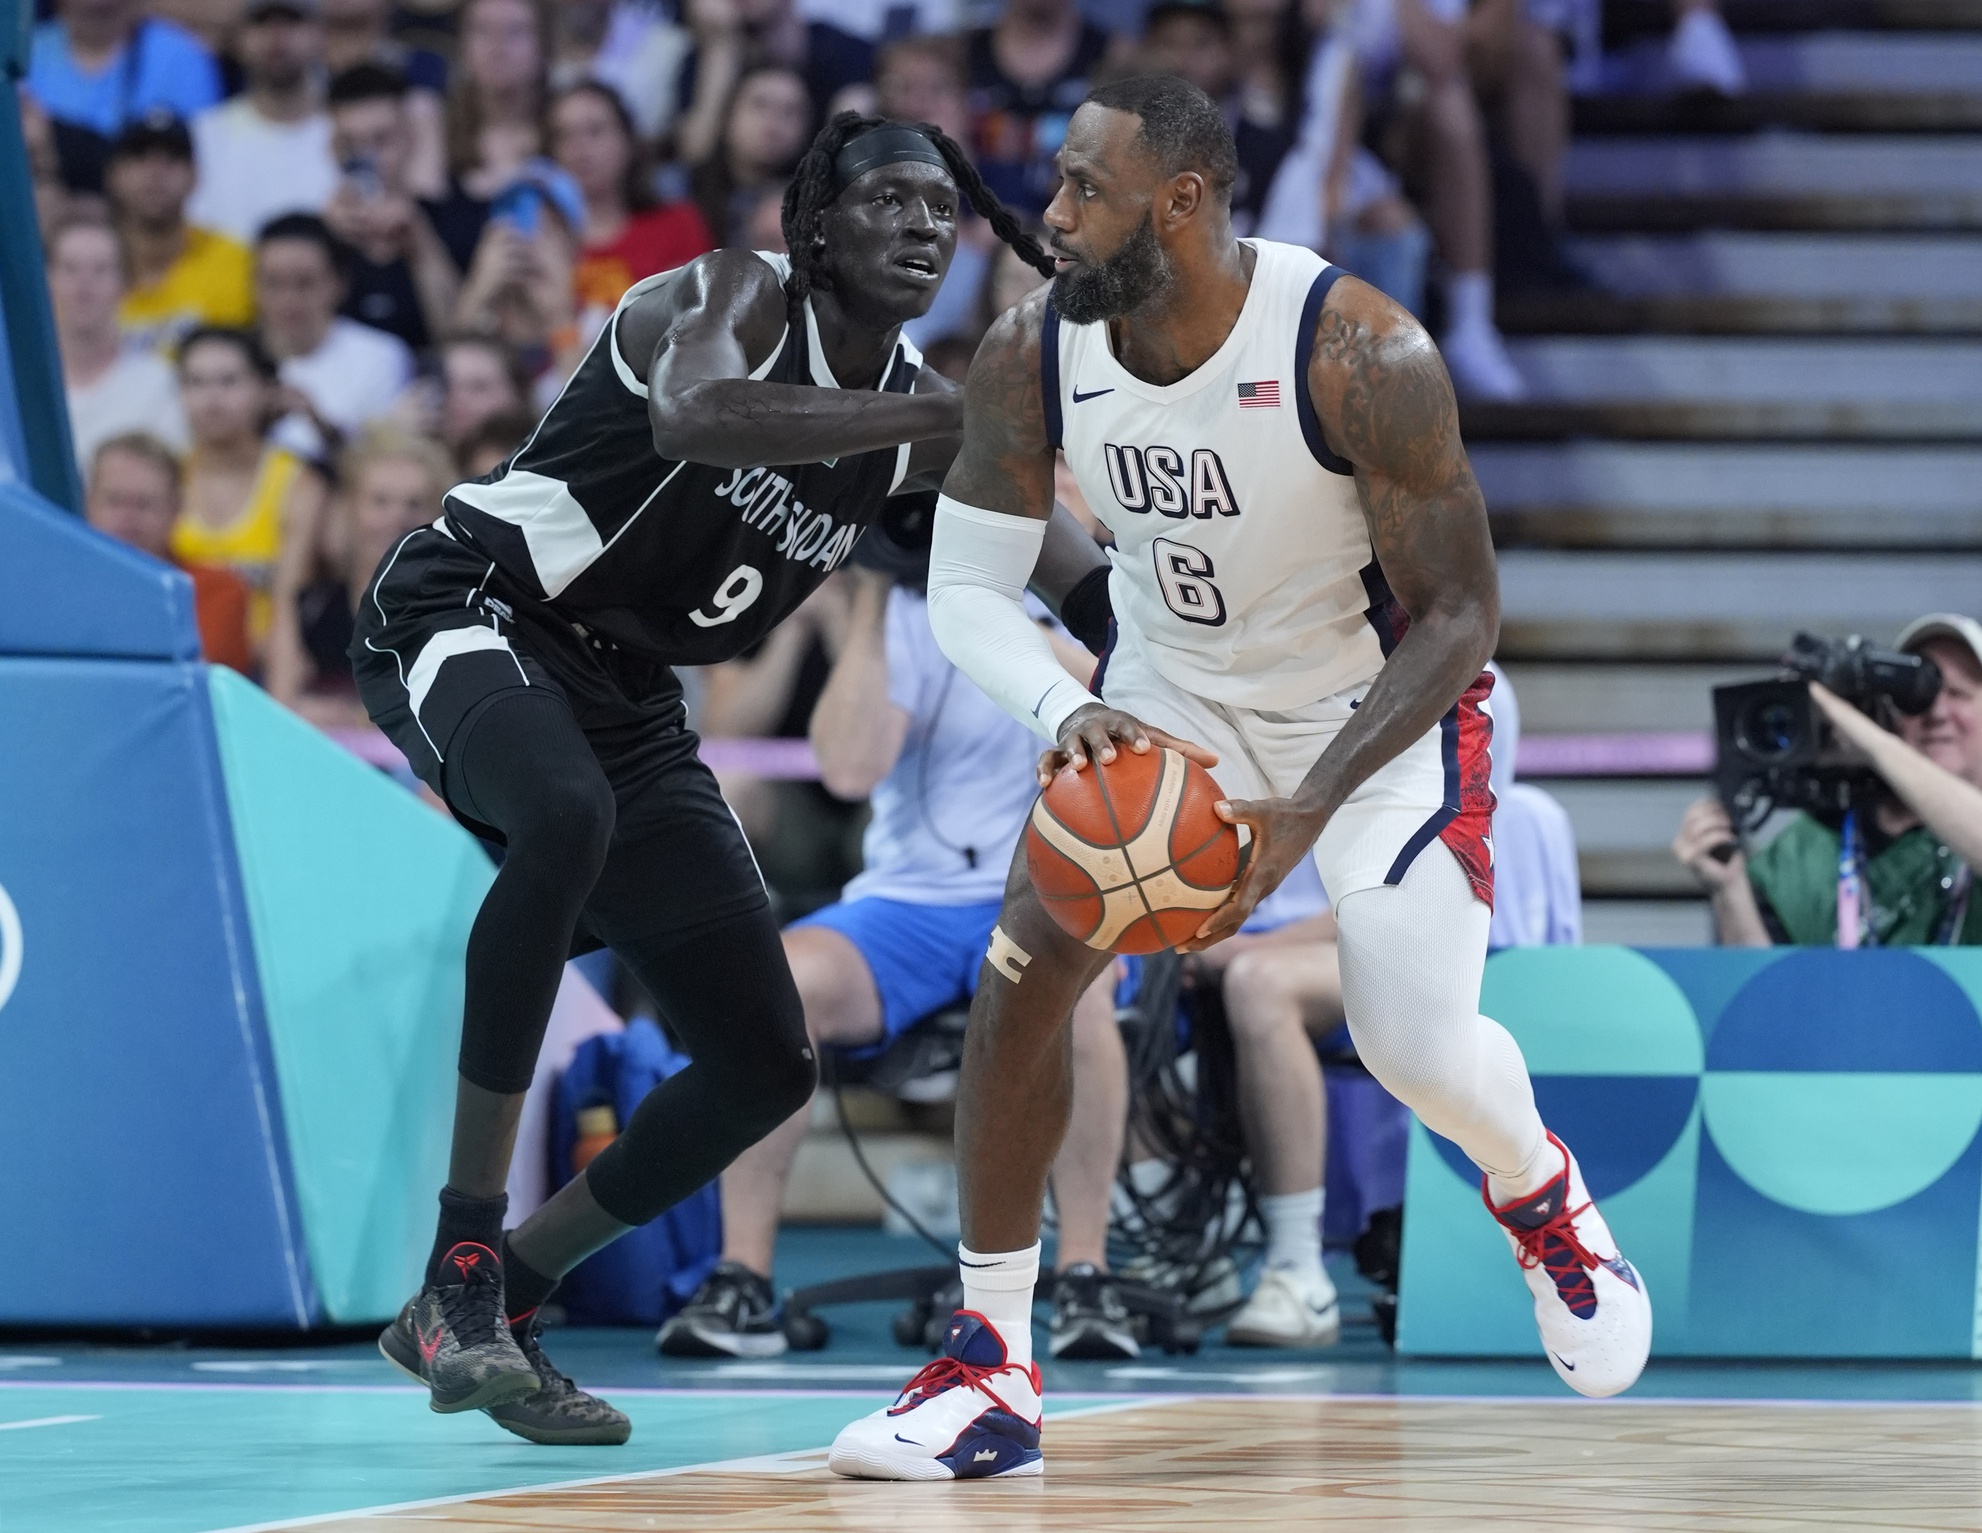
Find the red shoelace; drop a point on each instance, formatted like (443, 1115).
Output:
(1572, 1262)
(950, 1373)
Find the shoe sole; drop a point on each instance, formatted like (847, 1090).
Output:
(855, 1465)
(504, 1389)
(684, 1341)
(568, 1437)
(1326, 1335)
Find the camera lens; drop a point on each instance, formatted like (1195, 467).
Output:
(1770, 729)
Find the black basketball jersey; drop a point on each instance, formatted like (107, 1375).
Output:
(674, 560)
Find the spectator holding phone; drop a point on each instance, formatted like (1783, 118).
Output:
(402, 278)
(360, 32)
(181, 275)
(627, 233)
(267, 151)
(519, 288)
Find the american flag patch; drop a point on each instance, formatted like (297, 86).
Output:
(1260, 396)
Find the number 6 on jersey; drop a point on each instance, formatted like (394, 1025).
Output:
(1185, 574)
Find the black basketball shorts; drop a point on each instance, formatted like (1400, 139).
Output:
(441, 636)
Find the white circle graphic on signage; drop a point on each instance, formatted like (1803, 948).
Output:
(10, 946)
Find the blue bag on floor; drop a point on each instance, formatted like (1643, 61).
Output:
(649, 1273)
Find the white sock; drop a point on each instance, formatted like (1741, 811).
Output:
(998, 1285)
(1293, 1229)
(1468, 300)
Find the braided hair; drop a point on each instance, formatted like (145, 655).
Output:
(813, 189)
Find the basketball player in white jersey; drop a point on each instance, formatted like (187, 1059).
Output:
(1305, 594)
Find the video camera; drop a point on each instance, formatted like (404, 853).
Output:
(1773, 747)
(897, 541)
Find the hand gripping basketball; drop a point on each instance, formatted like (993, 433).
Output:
(1131, 856)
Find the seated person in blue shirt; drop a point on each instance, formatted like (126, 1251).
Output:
(952, 780)
(100, 64)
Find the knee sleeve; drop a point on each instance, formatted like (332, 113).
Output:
(727, 993)
(1412, 955)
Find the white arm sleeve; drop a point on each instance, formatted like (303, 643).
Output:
(979, 563)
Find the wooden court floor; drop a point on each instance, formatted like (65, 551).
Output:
(1347, 1465)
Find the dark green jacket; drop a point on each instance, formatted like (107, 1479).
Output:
(1909, 879)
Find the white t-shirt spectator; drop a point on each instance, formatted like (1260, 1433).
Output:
(252, 170)
(948, 815)
(353, 377)
(138, 393)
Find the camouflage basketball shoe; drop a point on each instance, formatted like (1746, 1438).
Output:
(559, 1413)
(454, 1338)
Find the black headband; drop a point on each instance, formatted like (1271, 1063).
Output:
(891, 145)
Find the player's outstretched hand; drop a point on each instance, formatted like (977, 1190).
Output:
(1091, 733)
(1282, 834)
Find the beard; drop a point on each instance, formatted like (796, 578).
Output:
(1109, 289)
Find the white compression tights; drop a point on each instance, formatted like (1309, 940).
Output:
(1412, 956)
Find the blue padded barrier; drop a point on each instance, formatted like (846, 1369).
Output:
(146, 1177)
(65, 589)
(359, 900)
(1786, 1142)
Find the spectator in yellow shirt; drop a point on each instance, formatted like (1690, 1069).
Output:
(182, 276)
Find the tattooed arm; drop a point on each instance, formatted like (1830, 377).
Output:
(1385, 404)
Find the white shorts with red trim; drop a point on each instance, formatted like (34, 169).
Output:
(1436, 789)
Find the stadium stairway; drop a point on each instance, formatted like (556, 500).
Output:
(1765, 415)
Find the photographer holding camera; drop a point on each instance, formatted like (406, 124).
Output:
(1891, 819)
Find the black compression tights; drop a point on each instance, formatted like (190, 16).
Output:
(525, 767)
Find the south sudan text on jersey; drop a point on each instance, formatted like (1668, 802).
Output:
(682, 562)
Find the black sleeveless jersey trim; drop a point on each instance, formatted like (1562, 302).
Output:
(1326, 456)
(682, 562)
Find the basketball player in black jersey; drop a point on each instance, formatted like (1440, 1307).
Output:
(713, 459)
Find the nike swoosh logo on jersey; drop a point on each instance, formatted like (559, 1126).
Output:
(1080, 398)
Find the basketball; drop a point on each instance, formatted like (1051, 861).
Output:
(1129, 857)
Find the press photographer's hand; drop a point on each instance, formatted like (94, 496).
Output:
(1707, 846)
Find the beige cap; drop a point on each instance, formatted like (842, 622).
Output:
(1943, 625)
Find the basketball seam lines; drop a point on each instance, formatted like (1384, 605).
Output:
(1108, 803)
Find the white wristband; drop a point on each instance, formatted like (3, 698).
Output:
(979, 563)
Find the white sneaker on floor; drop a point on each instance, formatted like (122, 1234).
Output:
(1704, 56)
(1476, 357)
(1590, 1303)
(1288, 1308)
(970, 1415)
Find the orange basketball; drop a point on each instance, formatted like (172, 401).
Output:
(1130, 856)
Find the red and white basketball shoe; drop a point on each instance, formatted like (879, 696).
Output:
(1590, 1303)
(968, 1416)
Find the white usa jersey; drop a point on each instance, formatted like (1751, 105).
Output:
(1242, 564)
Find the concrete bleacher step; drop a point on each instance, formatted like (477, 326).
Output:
(1776, 180)
(1620, 606)
(1708, 387)
(1749, 283)
(1647, 923)
(1862, 81)
(1569, 698)
(1624, 829)
(1714, 495)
